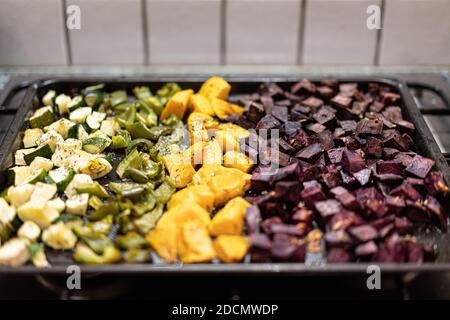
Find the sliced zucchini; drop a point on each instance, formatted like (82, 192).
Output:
(76, 181)
(59, 237)
(80, 114)
(95, 145)
(62, 102)
(41, 163)
(61, 176)
(18, 175)
(94, 98)
(52, 138)
(43, 192)
(65, 151)
(36, 176)
(20, 194)
(109, 127)
(42, 117)
(118, 97)
(77, 102)
(14, 253)
(96, 168)
(78, 132)
(19, 157)
(29, 230)
(58, 204)
(94, 119)
(61, 126)
(31, 137)
(7, 212)
(77, 204)
(49, 97)
(44, 151)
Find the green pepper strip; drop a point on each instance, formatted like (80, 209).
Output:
(92, 188)
(83, 254)
(109, 207)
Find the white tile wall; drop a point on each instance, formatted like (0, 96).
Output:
(111, 33)
(184, 32)
(262, 31)
(336, 32)
(32, 33)
(416, 32)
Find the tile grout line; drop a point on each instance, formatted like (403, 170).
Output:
(376, 58)
(301, 31)
(145, 33)
(223, 35)
(66, 33)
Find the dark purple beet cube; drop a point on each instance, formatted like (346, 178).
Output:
(290, 229)
(312, 102)
(407, 191)
(281, 113)
(359, 107)
(369, 127)
(402, 225)
(312, 195)
(435, 184)
(328, 208)
(374, 147)
(268, 122)
(288, 191)
(283, 246)
(395, 204)
(338, 238)
(299, 139)
(420, 166)
(310, 153)
(366, 249)
(363, 176)
(391, 166)
(316, 127)
(341, 101)
(302, 214)
(352, 161)
(338, 255)
(267, 102)
(377, 207)
(260, 241)
(334, 155)
(433, 206)
(326, 92)
(304, 86)
(253, 219)
(364, 233)
(325, 116)
(255, 112)
(390, 98)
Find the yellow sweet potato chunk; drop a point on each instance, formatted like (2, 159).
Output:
(235, 130)
(226, 140)
(215, 87)
(178, 104)
(194, 243)
(183, 212)
(226, 183)
(201, 194)
(212, 153)
(221, 108)
(163, 240)
(237, 109)
(201, 104)
(198, 125)
(231, 248)
(230, 219)
(237, 160)
(180, 168)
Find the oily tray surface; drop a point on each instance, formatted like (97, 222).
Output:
(299, 230)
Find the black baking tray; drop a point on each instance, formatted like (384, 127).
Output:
(424, 143)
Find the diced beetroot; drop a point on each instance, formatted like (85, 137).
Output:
(390, 98)
(392, 166)
(255, 112)
(338, 255)
(291, 127)
(393, 139)
(299, 253)
(389, 153)
(393, 113)
(316, 127)
(261, 180)
(260, 241)
(348, 200)
(331, 83)
(408, 191)
(363, 176)
(433, 206)
(405, 158)
(268, 122)
(338, 238)
(405, 126)
(312, 102)
(435, 184)
(299, 139)
(328, 208)
(347, 179)
(352, 161)
(359, 107)
(288, 191)
(417, 212)
(283, 246)
(253, 219)
(341, 101)
(376, 106)
(364, 233)
(310, 153)
(302, 214)
(343, 220)
(366, 249)
(325, 92)
(380, 223)
(374, 147)
(415, 252)
(280, 113)
(285, 147)
(266, 225)
(369, 127)
(325, 116)
(348, 87)
(312, 195)
(334, 155)
(420, 166)
(395, 204)
(304, 86)
(377, 207)
(402, 225)
(369, 193)
(267, 102)
(294, 230)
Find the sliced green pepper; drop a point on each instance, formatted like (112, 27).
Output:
(118, 97)
(103, 226)
(83, 254)
(156, 104)
(96, 241)
(148, 221)
(164, 191)
(137, 256)
(92, 188)
(145, 204)
(136, 174)
(131, 240)
(141, 144)
(110, 206)
(132, 160)
(140, 130)
(142, 92)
